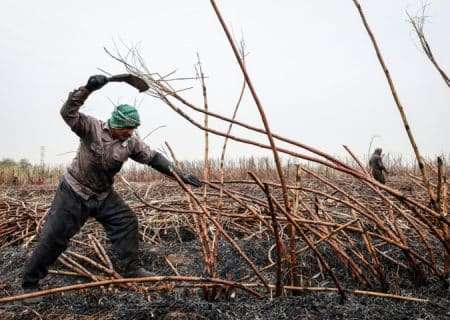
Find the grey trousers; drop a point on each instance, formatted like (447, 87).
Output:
(67, 215)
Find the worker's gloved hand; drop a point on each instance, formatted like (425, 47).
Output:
(160, 163)
(190, 179)
(96, 82)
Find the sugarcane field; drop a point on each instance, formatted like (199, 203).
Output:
(225, 160)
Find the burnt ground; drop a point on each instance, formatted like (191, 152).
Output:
(189, 304)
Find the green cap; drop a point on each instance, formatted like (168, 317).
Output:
(124, 116)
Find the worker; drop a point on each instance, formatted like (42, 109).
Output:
(377, 166)
(86, 188)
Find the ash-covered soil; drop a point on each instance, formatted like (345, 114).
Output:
(184, 252)
(189, 303)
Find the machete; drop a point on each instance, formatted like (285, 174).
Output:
(132, 80)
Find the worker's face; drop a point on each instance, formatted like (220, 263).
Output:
(121, 134)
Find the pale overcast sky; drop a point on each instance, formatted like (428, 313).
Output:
(311, 61)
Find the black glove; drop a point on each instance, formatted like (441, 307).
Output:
(96, 82)
(160, 163)
(192, 180)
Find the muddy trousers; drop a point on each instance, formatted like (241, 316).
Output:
(67, 215)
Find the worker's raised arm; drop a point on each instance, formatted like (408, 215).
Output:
(77, 121)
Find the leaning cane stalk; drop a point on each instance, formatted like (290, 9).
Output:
(279, 283)
(305, 238)
(399, 106)
(418, 24)
(257, 102)
(292, 242)
(219, 227)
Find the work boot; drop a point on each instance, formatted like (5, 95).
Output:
(137, 272)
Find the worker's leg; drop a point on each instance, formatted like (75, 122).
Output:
(121, 226)
(66, 216)
(379, 176)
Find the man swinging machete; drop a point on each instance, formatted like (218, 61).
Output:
(86, 188)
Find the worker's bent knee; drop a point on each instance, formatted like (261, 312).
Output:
(132, 222)
(127, 223)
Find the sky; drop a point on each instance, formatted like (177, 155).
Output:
(311, 63)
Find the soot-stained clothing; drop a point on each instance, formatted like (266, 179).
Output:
(99, 157)
(68, 213)
(86, 190)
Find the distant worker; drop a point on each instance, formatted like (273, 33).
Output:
(377, 166)
(86, 189)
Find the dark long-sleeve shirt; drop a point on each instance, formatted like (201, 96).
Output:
(376, 163)
(99, 157)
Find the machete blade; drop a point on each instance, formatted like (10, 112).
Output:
(132, 80)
